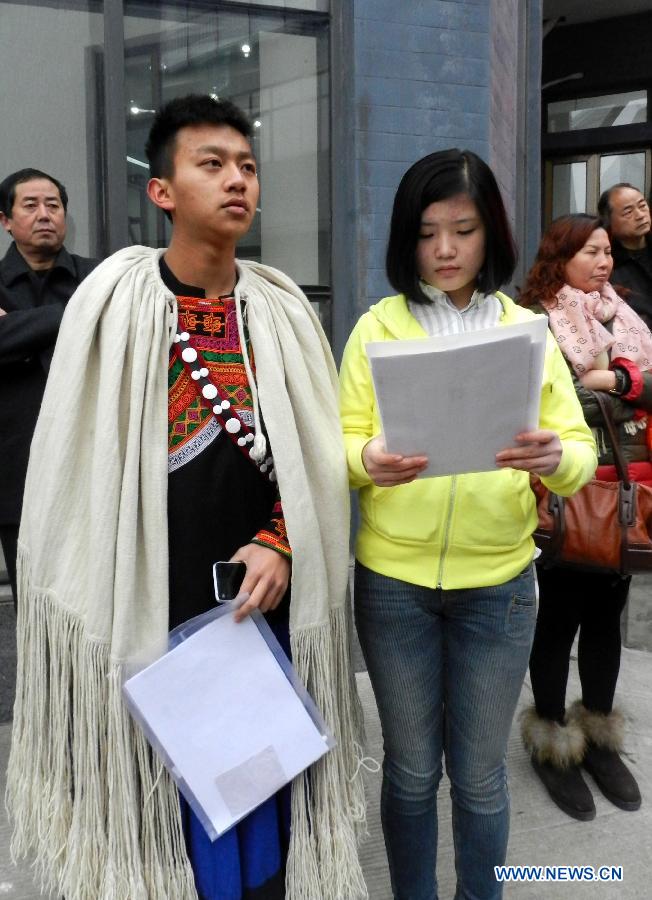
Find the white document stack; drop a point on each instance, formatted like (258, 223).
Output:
(228, 716)
(459, 399)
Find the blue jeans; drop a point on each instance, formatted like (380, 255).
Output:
(446, 668)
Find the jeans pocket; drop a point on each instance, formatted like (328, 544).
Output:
(521, 617)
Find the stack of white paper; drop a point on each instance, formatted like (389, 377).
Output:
(226, 719)
(459, 399)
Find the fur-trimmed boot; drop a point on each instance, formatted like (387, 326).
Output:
(556, 752)
(604, 734)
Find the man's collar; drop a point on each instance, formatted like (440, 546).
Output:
(14, 265)
(620, 253)
(178, 288)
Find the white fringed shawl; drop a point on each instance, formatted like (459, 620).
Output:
(84, 792)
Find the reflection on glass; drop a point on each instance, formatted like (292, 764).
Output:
(50, 108)
(568, 188)
(274, 66)
(629, 167)
(310, 5)
(598, 112)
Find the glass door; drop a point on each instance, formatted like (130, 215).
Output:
(275, 67)
(574, 183)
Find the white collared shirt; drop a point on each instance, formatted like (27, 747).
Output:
(441, 316)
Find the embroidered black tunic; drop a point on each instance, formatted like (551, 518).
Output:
(218, 500)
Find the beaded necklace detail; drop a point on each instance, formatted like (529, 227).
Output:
(240, 433)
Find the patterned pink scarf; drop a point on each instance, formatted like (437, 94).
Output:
(575, 320)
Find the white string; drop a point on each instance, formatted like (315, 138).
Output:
(368, 763)
(259, 446)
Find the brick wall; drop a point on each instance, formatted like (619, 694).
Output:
(503, 123)
(422, 83)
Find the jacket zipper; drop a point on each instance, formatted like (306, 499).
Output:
(449, 516)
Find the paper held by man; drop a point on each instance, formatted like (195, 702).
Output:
(459, 399)
(228, 716)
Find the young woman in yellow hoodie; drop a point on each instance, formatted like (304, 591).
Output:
(444, 582)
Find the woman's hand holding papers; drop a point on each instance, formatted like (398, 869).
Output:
(389, 469)
(266, 581)
(539, 452)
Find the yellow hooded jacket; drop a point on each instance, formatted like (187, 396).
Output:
(458, 531)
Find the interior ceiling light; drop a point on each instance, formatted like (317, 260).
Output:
(576, 76)
(138, 162)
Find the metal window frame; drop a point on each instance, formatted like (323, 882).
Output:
(528, 136)
(593, 96)
(116, 227)
(344, 259)
(111, 149)
(592, 161)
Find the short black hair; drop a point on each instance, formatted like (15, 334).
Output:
(440, 176)
(8, 188)
(182, 112)
(604, 203)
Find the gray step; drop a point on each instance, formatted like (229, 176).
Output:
(7, 654)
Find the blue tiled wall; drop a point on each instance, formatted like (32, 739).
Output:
(422, 83)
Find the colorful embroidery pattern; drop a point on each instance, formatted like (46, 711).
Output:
(275, 536)
(213, 327)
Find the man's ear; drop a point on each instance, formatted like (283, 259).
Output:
(158, 191)
(5, 221)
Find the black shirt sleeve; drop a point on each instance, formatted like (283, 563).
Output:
(26, 332)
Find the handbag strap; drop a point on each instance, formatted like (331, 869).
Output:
(616, 449)
(627, 492)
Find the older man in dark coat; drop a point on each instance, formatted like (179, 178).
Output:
(626, 215)
(37, 278)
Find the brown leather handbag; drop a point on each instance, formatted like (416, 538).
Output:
(605, 526)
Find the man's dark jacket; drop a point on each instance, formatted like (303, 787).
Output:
(633, 270)
(34, 305)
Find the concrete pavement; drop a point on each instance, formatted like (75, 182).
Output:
(540, 833)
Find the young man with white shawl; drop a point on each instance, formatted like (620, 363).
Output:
(190, 415)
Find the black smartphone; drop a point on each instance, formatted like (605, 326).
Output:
(228, 578)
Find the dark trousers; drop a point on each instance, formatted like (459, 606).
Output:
(568, 600)
(9, 541)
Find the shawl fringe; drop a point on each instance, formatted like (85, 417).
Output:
(322, 858)
(118, 836)
(122, 838)
(85, 793)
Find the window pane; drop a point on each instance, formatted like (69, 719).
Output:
(598, 112)
(619, 167)
(273, 65)
(52, 120)
(568, 188)
(310, 5)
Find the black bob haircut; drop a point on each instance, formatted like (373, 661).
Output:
(182, 112)
(8, 188)
(440, 176)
